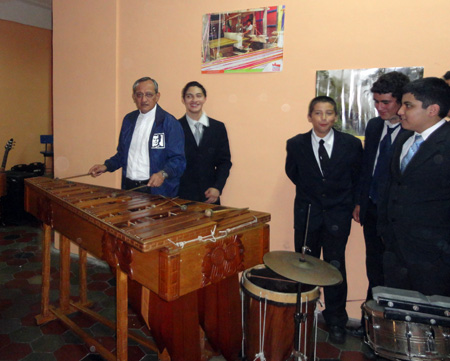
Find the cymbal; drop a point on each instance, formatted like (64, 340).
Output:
(303, 268)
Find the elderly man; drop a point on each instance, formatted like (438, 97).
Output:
(151, 145)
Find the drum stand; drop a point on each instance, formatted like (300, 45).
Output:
(303, 269)
(299, 318)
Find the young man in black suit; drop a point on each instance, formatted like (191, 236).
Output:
(380, 136)
(207, 152)
(415, 214)
(324, 165)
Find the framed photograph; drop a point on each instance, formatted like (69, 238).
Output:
(243, 41)
(350, 88)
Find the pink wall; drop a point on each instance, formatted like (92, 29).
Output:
(25, 90)
(101, 47)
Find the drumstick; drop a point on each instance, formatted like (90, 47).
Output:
(115, 194)
(210, 212)
(136, 188)
(270, 278)
(183, 207)
(74, 176)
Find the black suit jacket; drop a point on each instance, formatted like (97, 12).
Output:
(332, 197)
(372, 137)
(415, 218)
(207, 165)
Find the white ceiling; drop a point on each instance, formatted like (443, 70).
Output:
(29, 12)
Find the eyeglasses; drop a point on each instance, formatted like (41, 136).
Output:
(140, 95)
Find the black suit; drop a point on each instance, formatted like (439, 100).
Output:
(207, 165)
(332, 199)
(368, 209)
(415, 218)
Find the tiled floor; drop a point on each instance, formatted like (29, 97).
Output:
(22, 339)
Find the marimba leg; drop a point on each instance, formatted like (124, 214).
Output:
(64, 274)
(122, 314)
(175, 326)
(45, 296)
(220, 316)
(83, 276)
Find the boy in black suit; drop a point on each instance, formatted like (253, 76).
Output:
(324, 165)
(380, 136)
(414, 216)
(207, 152)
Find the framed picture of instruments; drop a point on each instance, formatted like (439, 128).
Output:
(350, 88)
(243, 41)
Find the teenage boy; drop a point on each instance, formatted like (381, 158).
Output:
(415, 214)
(380, 136)
(324, 165)
(207, 150)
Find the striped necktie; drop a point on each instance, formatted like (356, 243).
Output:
(412, 150)
(197, 134)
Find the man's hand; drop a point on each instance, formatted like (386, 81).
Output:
(156, 180)
(356, 213)
(97, 170)
(212, 194)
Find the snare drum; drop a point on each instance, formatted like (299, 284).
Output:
(401, 340)
(268, 310)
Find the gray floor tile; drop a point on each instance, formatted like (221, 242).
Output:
(26, 334)
(47, 343)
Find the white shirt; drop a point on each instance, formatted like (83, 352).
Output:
(138, 164)
(204, 121)
(383, 133)
(328, 144)
(425, 134)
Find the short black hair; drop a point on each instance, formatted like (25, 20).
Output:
(193, 83)
(392, 82)
(431, 91)
(321, 99)
(447, 75)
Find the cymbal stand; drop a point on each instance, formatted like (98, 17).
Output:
(299, 316)
(305, 247)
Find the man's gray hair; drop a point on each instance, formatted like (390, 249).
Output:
(141, 80)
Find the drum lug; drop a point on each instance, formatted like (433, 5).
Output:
(408, 335)
(431, 344)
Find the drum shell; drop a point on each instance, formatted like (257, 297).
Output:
(388, 338)
(279, 327)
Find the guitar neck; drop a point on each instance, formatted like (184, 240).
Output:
(8, 147)
(5, 157)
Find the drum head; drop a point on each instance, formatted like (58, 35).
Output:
(266, 278)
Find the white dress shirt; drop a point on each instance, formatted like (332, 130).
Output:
(328, 144)
(204, 121)
(138, 164)
(425, 134)
(394, 134)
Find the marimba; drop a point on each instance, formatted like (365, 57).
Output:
(176, 260)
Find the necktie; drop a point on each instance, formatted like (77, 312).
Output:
(197, 134)
(381, 173)
(323, 156)
(412, 150)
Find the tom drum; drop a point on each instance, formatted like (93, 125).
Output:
(269, 304)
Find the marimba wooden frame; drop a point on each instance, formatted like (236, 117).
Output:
(66, 306)
(189, 298)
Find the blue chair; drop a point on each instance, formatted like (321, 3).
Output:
(48, 152)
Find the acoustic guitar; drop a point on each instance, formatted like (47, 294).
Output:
(8, 147)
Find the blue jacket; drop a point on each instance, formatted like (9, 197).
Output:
(166, 149)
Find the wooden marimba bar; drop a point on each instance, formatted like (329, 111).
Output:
(175, 260)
